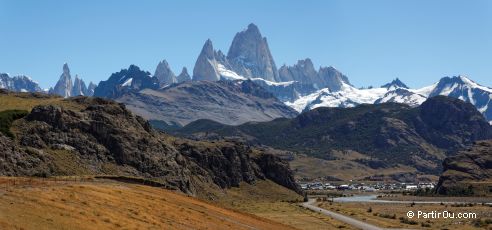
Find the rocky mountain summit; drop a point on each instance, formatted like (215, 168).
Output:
(64, 85)
(66, 88)
(469, 172)
(249, 55)
(164, 74)
(127, 80)
(459, 87)
(183, 76)
(206, 66)
(18, 83)
(87, 136)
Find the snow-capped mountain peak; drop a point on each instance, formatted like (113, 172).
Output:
(395, 84)
(460, 87)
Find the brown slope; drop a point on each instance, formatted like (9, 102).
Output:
(110, 205)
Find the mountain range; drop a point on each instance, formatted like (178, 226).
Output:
(380, 136)
(300, 86)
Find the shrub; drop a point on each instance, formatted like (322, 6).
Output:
(7, 118)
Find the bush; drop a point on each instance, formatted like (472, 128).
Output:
(7, 118)
(408, 221)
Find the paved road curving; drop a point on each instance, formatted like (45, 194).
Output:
(354, 222)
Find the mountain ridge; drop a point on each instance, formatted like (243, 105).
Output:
(417, 136)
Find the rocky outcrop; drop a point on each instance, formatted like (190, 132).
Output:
(18, 83)
(127, 80)
(277, 170)
(206, 66)
(469, 172)
(183, 76)
(64, 85)
(164, 74)
(95, 136)
(249, 55)
(18, 161)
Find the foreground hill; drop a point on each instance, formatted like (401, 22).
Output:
(88, 136)
(381, 136)
(99, 204)
(469, 172)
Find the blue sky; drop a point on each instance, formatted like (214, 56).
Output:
(371, 42)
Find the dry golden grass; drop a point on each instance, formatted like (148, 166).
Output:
(269, 200)
(111, 205)
(24, 102)
(381, 214)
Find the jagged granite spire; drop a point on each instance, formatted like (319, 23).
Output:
(164, 74)
(184, 76)
(250, 56)
(90, 89)
(303, 72)
(79, 87)
(64, 85)
(206, 65)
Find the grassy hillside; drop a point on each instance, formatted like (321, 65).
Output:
(37, 204)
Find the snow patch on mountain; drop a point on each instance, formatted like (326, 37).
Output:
(231, 75)
(347, 96)
(127, 82)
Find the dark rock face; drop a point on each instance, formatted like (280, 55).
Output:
(127, 80)
(250, 56)
(227, 102)
(229, 164)
(394, 133)
(469, 172)
(395, 84)
(467, 90)
(450, 123)
(277, 170)
(18, 83)
(103, 137)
